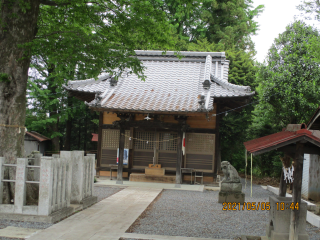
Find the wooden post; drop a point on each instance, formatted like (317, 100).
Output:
(155, 147)
(121, 149)
(217, 160)
(179, 158)
(282, 186)
(296, 195)
(99, 143)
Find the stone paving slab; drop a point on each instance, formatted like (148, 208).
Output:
(108, 219)
(17, 232)
(187, 187)
(162, 237)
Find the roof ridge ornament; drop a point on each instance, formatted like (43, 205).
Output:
(206, 84)
(230, 86)
(207, 68)
(113, 82)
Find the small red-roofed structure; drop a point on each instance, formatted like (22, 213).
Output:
(284, 141)
(34, 141)
(295, 140)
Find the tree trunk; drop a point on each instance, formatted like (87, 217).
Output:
(67, 143)
(79, 136)
(85, 131)
(53, 113)
(18, 27)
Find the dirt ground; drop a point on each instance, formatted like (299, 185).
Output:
(262, 181)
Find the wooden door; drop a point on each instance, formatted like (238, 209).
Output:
(110, 144)
(200, 149)
(167, 146)
(143, 149)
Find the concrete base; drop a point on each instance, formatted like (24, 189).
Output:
(136, 177)
(87, 202)
(231, 197)
(243, 237)
(52, 218)
(279, 220)
(285, 236)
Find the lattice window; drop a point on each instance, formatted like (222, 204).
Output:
(168, 141)
(110, 139)
(145, 137)
(200, 143)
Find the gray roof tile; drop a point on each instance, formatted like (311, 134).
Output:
(171, 84)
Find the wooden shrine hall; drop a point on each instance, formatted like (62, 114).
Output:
(170, 120)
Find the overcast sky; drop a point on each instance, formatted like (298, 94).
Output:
(273, 21)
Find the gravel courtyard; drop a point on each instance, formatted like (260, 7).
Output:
(198, 214)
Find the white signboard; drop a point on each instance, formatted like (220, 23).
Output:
(125, 156)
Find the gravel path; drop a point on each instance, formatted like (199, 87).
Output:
(101, 192)
(198, 214)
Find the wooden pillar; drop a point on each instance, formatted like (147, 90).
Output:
(282, 186)
(296, 195)
(283, 183)
(121, 149)
(217, 160)
(179, 158)
(99, 143)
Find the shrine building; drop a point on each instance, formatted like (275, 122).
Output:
(170, 120)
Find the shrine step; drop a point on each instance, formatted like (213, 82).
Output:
(138, 177)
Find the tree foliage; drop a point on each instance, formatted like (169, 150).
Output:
(229, 22)
(311, 10)
(289, 82)
(288, 89)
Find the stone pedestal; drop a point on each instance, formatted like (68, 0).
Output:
(231, 187)
(154, 171)
(279, 219)
(231, 193)
(231, 197)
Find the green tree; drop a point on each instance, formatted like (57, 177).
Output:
(93, 37)
(230, 22)
(288, 90)
(289, 81)
(311, 10)
(226, 22)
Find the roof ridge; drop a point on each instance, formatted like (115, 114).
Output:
(76, 83)
(182, 53)
(231, 86)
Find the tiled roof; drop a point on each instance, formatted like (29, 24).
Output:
(38, 136)
(171, 85)
(288, 136)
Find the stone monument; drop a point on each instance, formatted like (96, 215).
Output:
(231, 187)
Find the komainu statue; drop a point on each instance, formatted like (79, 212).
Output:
(230, 173)
(231, 187)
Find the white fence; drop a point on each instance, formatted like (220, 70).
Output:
(57, 176)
